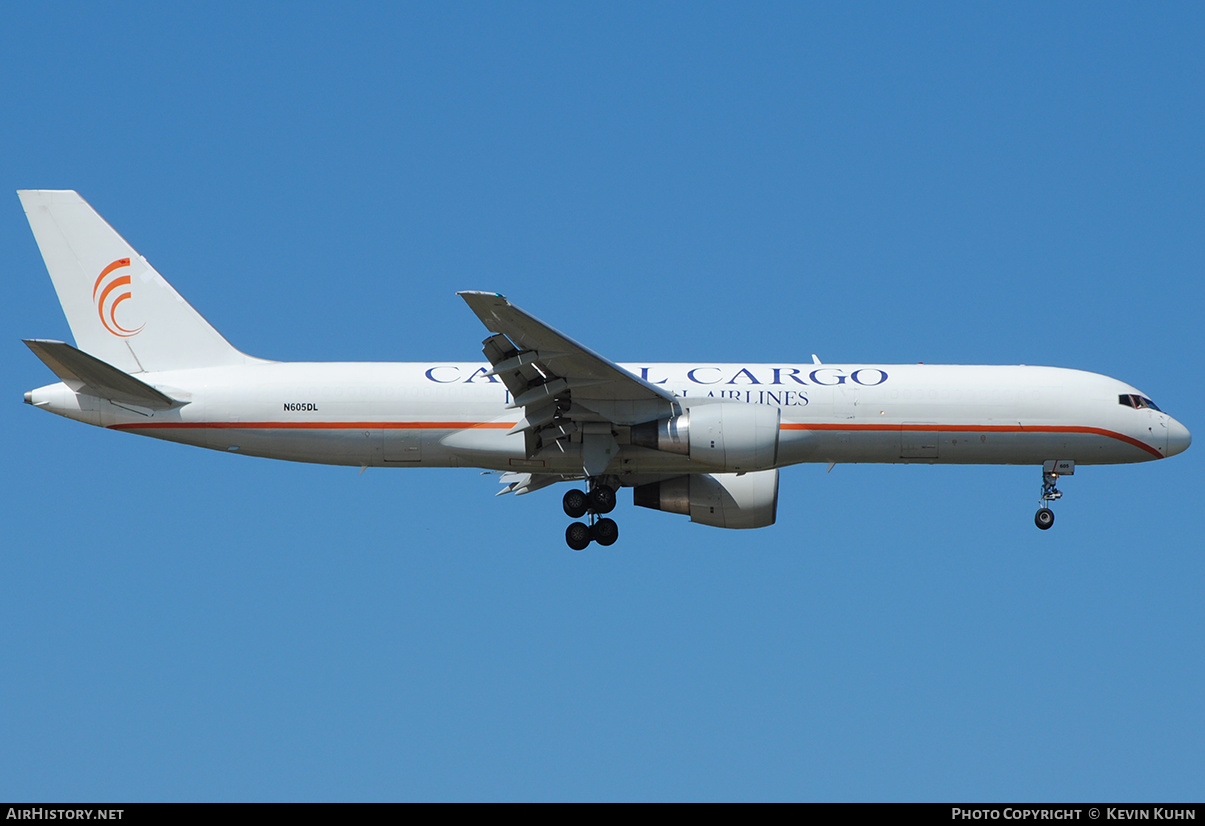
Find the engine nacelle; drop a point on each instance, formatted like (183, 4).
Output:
(722, 500)
(727, 435)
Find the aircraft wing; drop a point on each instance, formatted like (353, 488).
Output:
(560, 363)
(562, 386)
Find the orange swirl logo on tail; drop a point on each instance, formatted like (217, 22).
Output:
(108, 293)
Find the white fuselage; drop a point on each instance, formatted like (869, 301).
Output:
(700, 439)
(445, 414)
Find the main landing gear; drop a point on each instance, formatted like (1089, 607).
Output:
(578, 503)
(1051, 470)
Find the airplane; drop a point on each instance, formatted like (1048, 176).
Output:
(700, 439)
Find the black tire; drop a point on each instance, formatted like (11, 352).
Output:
(1044, 518)
(605, 531)
(575, 503)
(577, 536)
(602, 499)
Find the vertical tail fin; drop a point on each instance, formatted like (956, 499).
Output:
(119, 308)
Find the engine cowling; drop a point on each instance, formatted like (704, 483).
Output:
(726, 435)
(722, 500)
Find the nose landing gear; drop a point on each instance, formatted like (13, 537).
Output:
(1051, 470)
(577, 503)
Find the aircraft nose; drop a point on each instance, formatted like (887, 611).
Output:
(1178, 437)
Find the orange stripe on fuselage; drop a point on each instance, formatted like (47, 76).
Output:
(311, 425)
(975, 428)
(827, 426)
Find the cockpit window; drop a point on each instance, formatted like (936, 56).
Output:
(1136, 401)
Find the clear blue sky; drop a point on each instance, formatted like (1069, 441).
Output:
(968, 183)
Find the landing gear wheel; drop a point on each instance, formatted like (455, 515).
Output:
(602, 499)
(575, 503)
(577, 536)
(605, 531)
(1044, 518)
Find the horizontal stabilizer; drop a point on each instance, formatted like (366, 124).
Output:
(95, 377)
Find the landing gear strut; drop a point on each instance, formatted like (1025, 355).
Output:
(1051, 470)
(577, 503)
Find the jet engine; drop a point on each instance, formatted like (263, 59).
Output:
(726, 435)
(722, 500)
